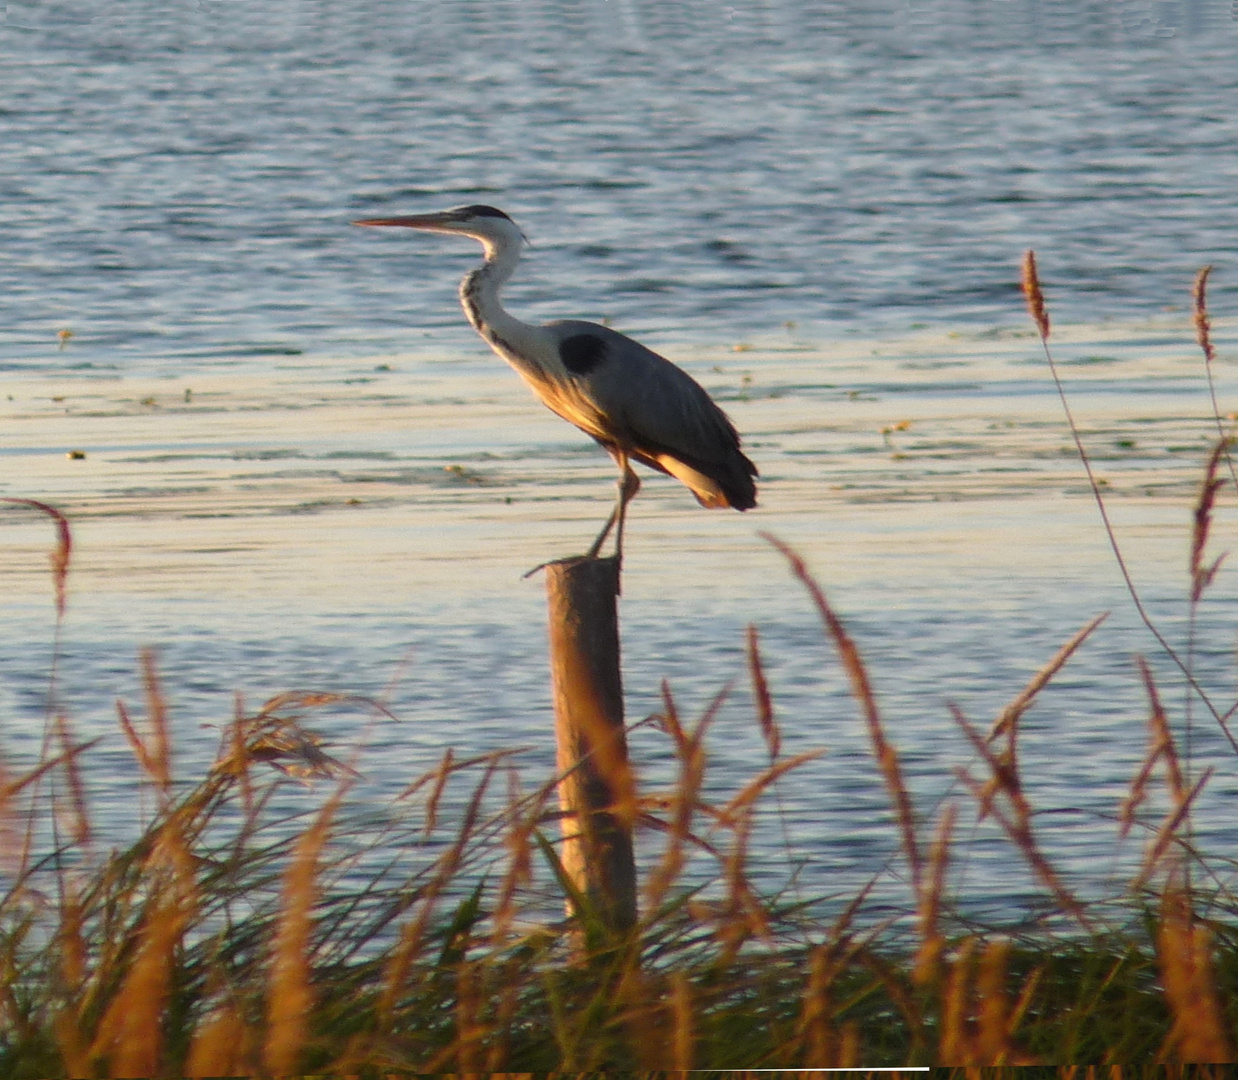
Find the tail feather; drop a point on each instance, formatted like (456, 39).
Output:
(715, 485)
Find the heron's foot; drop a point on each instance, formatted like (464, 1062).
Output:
(571, 558)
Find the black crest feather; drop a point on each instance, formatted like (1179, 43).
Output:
(479, 210)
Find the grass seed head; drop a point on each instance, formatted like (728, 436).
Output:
(1184, 952)
(1035, 298)
(1202, 575)
(1203, 325)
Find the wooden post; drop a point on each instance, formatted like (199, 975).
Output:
(598, 792)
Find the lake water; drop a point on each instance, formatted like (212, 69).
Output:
(303, 470)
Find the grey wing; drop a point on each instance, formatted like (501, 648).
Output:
(654, 408)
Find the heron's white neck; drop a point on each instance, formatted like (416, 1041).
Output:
(479, 294)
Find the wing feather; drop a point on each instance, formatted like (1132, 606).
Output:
(654, 410)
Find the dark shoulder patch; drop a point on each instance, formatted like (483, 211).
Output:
(581, 353)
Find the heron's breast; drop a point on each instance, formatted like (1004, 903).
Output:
(557, 390)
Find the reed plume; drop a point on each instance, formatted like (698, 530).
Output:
(1035, 297)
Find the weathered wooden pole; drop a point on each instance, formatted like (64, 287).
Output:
(597, 794)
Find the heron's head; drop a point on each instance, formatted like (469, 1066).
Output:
(492, 227)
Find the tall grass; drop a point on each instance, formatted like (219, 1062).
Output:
(227, 939)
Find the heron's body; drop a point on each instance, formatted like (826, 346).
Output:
(635, 403)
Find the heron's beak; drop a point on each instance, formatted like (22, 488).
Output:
(416, 221)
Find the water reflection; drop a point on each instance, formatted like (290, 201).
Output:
(184, 193)
(361, 528)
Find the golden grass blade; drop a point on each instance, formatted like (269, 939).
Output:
(71, 941)
(314, 699)
(13, 1018)
(134, 739)
(232, 748)
(223, 1045)
(22, 850)
(761, 694)
(499, 1050)
(977, 1022)
(752, 791)
(993, 1011)
(289, 992)
(1201, 575)
(685, 800)
(60, 554)
(10, 789)
(73, 778)
(823, 1044)
(746, 915)
(130, 1035)
(1023, 840)
(849, 1046)
(1005, 781)
(71, 1043)
(154, 755)
(1031, 286)
(1203, 335)
(1200, 1033)
(1010, 714)
(519, 845)
(431, 776)
(160, 754)
(669, 719)
(862, 691)
(1026, 996)
(1160, 745)
(955, 1044)
(1035, 297)
(1168, 830)
(1163, 738)
(16, 844)
(815, 1031)
(1203, 325)
(932, 943)
(656, 824)
(442, 775)
(470, 1028)
(683, 1038)
(399, 960)
(1003, 772)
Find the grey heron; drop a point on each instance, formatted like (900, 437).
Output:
(636, 404)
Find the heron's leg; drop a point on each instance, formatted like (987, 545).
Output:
(592, 553)
(629, 485)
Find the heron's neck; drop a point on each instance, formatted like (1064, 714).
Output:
(479, 296)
